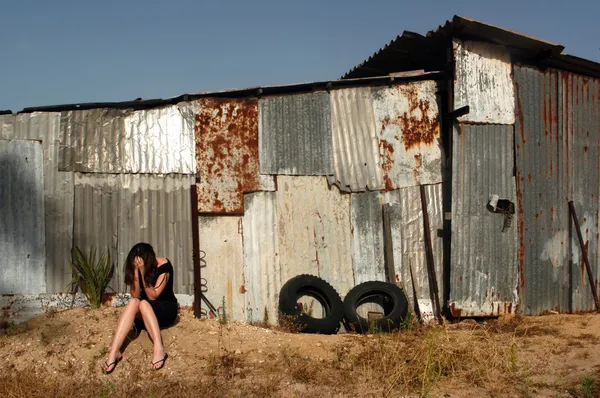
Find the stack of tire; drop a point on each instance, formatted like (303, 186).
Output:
(387, 295)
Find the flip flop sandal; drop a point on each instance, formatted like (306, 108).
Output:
(161, 361)
(113, 364)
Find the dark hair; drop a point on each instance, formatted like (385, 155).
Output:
(146, 253)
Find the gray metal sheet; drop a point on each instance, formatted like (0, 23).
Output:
(408, 126)
(406, 219)
(367, 237)
(22, 231)
(157, 140)
(295, 135)
(483, 279)
(58, 191)
(137, 208)
(221, 239)
(541, 148)
(483, 81)
(355, 140)
(579, 119)
(261, 257)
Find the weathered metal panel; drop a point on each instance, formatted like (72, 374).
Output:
(58, 191)
(157, 210)
(483, 279)
(96, 218)
(367, 237)
(355, 140)
(125, 141)
(408, 236)
(541, 149)
(483, 81)
(22, 232)
(408, 124)
(314, 231)
(261, 257)
(227, 150)
(118, 211)
(222, 240)
(295, 135)
(579, 119)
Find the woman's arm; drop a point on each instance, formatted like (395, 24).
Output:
(154, 291)
(135, 290)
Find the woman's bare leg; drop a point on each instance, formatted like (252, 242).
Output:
(123, 328)
(153, 330)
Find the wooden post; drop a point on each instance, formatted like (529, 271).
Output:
(429, 256)
(196, 252)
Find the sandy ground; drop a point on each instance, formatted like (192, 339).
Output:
(61, 354)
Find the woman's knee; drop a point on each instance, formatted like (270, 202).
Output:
(133, 304)
(144, 306)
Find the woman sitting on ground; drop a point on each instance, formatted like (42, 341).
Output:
(152, 305)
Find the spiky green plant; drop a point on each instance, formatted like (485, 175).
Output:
(91, 274)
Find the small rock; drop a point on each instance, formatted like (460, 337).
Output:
(238, 352)
(319, 345)
(237, 371)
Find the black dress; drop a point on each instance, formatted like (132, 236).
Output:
(165, 306)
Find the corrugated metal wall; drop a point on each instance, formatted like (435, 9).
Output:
(22, 232)
(367, 237)
(408, 126)
(406, 219)
(483, 278)
(227, 153)
(295, 135)
(483, 81)
(558, 136)
(157, 140)
(121, 210)
(58, 191)
(221, 238)
(355, 140)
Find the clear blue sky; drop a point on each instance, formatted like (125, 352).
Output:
(55, 52)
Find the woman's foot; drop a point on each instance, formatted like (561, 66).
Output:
(158, 359)
(111, 362)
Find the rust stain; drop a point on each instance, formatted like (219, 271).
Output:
(418, 167)
(227, 154)
(243, 289)
(386, 153)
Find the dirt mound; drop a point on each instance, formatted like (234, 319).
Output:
(60, 354)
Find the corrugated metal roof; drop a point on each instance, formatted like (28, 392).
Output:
(406, 219)
(355, 140)
(295, 135)
(483, 279)
(261, 257)
(227, 152)
(221, 238)
(137, 208)
(367, 237)
(483, 82)
(579, 118)
(58, 192)
(408, 124)
(22, 232)
(157, 140)
(542, 181)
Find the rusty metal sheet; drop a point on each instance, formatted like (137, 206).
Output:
(221, 239)
(22, 231)
(484, 275)
(262, 273)
(408, 236)
(159, 140)
(355, 140)
(295, 135)
(579, 118)
(483, 81)
(408, 125)
(314, 231)
(367, 237)
(227, 151)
